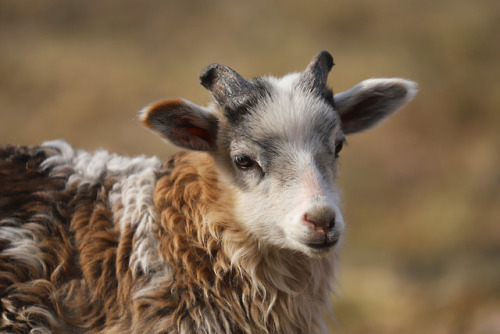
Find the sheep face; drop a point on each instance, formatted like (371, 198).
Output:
(281, 155)
(277, 142)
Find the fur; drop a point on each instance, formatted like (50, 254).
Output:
(90, 253)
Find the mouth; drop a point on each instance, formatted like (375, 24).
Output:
(325, 241)
(327, 244)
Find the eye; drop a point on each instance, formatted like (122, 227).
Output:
(244, 162)
(338, 148)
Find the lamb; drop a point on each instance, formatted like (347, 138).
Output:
(239, 234)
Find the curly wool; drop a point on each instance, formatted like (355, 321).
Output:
(97, 243)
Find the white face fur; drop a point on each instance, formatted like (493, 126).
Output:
(285, 163)
(277, 141)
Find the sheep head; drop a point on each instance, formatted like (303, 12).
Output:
(277, 142)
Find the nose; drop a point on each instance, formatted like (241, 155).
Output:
(322, 218)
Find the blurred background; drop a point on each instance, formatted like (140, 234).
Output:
(422, 191)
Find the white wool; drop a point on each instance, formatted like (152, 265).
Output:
(131, 197)
(23, 244)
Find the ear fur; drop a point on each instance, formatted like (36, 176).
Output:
(371, 101)
(183, 123)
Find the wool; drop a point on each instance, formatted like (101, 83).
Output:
(97, 243)
(221, 273)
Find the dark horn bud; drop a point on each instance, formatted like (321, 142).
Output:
(228, 87)
(316, 73)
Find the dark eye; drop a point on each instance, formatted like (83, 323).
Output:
(338, 148)
(244, 162)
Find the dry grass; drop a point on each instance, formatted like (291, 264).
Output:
(422, 192)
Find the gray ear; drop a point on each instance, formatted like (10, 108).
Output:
(371, 101)
(183, 123)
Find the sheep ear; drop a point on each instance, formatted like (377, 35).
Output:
(183, 123)
(371, 101)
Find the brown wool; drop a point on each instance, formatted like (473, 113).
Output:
(80, 279)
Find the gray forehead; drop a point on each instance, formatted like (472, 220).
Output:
(286, 112)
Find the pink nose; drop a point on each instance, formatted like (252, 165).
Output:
(322, 218)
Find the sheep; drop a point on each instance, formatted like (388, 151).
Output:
(238, 234)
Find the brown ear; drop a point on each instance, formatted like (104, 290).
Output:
(183, 123)
(371, 101)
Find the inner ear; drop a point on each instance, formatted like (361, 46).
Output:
(183, 123)
(202, 134)
(370, 102)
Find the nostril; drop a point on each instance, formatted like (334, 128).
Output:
(324, 222)
(331, 223)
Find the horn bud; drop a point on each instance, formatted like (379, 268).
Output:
(316, 73)
(228, 87)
